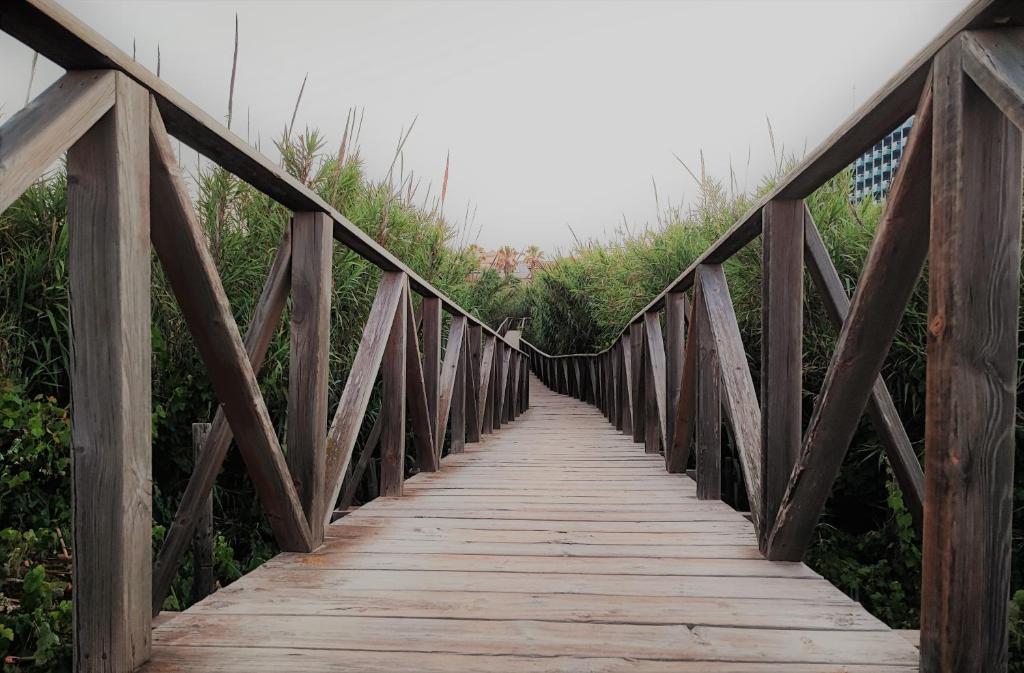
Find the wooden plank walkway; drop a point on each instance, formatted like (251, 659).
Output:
(554, 545)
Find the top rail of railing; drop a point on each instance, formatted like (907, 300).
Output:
(51, 30)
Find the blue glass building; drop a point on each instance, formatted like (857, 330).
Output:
(874, 170)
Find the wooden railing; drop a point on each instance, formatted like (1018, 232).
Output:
(956, 200)
(125, 193)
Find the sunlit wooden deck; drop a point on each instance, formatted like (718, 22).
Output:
(555, 545)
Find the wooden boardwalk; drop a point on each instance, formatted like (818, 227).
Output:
(554, 545)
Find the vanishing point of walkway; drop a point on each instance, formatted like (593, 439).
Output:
(554, 545)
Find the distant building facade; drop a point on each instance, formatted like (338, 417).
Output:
(874, 170)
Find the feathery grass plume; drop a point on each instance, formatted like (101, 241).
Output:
(234, 71)
(31, 77)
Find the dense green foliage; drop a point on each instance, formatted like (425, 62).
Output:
(244, 228)
(865, 542)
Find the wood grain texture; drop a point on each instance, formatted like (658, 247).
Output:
(474, 400)
(886, 420)
(890, 273)
(180, 244)
(392, 408)
(498, 389)
(708, 408)
(348, 417)
(972, 376)
(449, 372)
(994, 60)
(510, 582)
(111, 419)
(459, 398)
(262, 327)
(657, 369)
(635, 379)
(416, 397)
(677, 458)
(203, 577)
(782, 274)
(35, 137)
(431, 308)
(675, 354)
(738, 397)
(486, 395)
(312, 254)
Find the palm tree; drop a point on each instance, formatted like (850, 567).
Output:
(533, 257)
(506, 259)
(477, 254)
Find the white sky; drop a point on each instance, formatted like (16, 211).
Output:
(556, 114)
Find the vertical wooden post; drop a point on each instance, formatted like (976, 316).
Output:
(652, 424)
(675, 352)
(709, 410)
(638, 415)
(972, 376)
(392, 434)
(473, 402)
(781, 348)
(457, 412)
(487, 424)
(312, 247)
(431, 309)
(111, 441)
(203, 580)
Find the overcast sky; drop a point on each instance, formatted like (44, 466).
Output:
(555, 114)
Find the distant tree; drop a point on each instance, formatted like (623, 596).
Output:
(506, 259)
(533, 257)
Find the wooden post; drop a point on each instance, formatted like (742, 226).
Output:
(781, 348)
(431, 309)
(709, 410)
(111, 442)
(972, 376)
(203, 580)
(491, 356)
(312, 247)
(392, 434)
(675, 353)
(458, 410)
(498, 389)
(636, 382)
(473, 400)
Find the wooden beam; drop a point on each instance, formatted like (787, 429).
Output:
(203, 576)
(474, 401)
(623, 385)
(884, 417)
(204, 473)
(675, 354)
(782, 284)
(312, 253)
(498, 389)
(431, 308)
(657, 370)
(685, 410)
(486, 377)
(392, 407)
(974, 286)
(890, 273)
(180, 243)
(635, 375)
(36, 136)
(449, 371)
(739, 397)
(709, 409)
(503, 384)
(416, 398)
(111, 439)
(341, 437)
(459, 397)
(994, 59)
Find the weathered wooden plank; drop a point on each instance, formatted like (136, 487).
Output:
(341, 437)
(431, 308)
(111, 438)
(738, 397)
(886, 420)
(312, 253)
(203, 578)
(460, 398)
(657, 369)
(685, 410)
(449, 372)
(995, 62)
(973, 290)
(498, 389)
(890, 273)
(635, 378)
(675, 355)
(708, 407)
(180, 244)
(782, 285)
(474, 401)
(36, 136)
(486, 377)
(200, 484)
(416, 398)
(392, 408)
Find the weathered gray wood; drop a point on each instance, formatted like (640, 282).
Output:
(890, 273)
(675, 354)
(416, 398)
(474, 401)
(637, 389)
(203, 578)
(392, 408)
(111, 439)
(449, 373)
(486, 377)
(738, 394)
(886, 420)
(994, 59)
(180, 244)
(36, 136)
(431, 308)
(200, 484)
(500, 374)
(624, 384)
(974, 275)
(312, 248)
(782, 287)
(341, 437)
(657, 370)
(677, 456)
(709, 407)
(459, 398)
